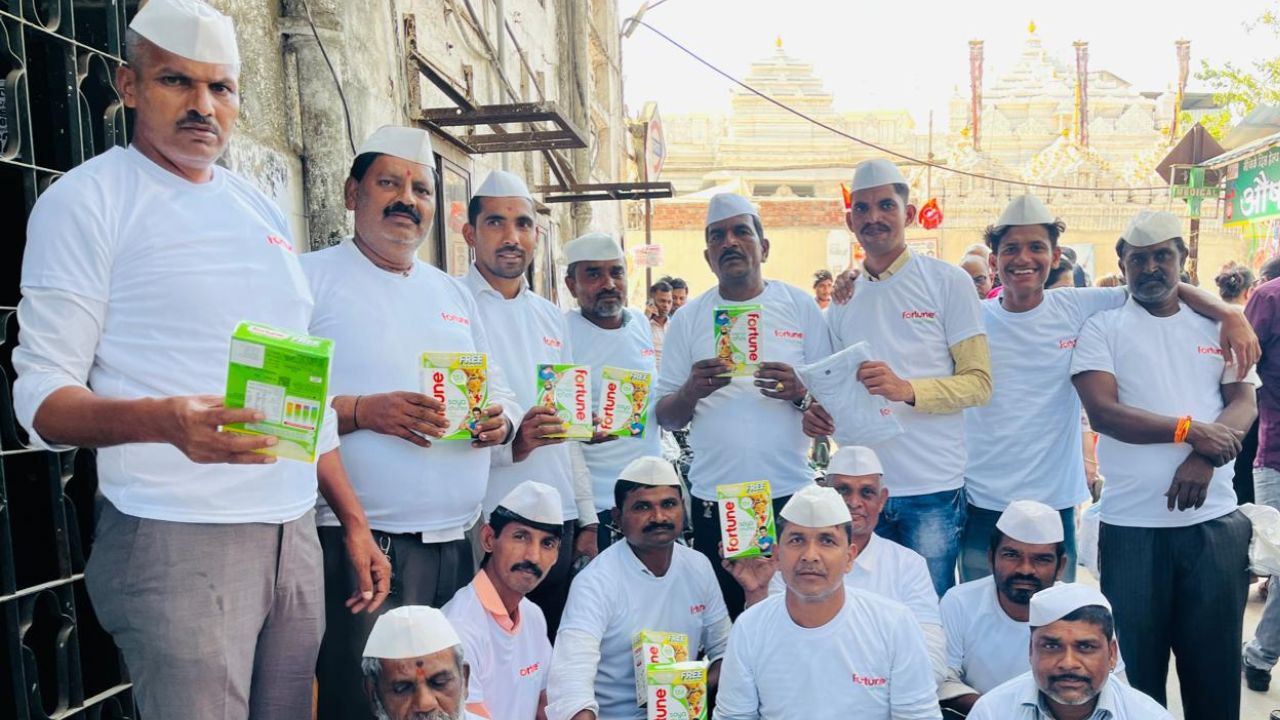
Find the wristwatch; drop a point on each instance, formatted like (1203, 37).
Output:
(803, 403)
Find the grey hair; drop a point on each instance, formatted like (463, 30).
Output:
(371, 667)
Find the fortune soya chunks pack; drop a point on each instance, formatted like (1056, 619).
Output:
(746, 519)
(624, 401)
(567, 390)
(652, 647)
(677, 691)
(460, 382)
(738, 335)
(285, 376)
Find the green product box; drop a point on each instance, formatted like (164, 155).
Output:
(677, 691)
(624, 401)
(738, 334)
(285, 376)
(746, 519)
(460, 381)
(567, 390)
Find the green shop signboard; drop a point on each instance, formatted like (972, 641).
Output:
(1254, 195)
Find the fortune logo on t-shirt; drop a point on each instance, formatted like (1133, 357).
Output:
(279, 242)
(919, 315)
(869, 681)
(526, 672)
(1208, 350)
(1067, 344)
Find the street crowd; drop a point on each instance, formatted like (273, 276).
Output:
(928, 574)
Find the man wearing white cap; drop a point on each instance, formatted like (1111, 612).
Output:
(1171, 410)
(1073, 654)
(871, 658)
(882, 566)
(604, 332)
(986, 619)
(922, 320)
(139, 265)
(692, 391)
(1025, 443)
(646, 582)
(384, 307)
(415, 667)
(525, 330)
(503, 634)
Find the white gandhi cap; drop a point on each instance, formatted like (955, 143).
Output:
(874, 173)
(649, 470)
(816, 506)
(1054, 603)
(189, 28)
(1151, 228)
(592, 247)
(412, 144)
(501, 183)
(854, 460)
(1031, 522)
(536, 502)
(409, 632)
(727, 205)
(1024, 210)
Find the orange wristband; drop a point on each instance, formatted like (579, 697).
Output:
(1183, 429)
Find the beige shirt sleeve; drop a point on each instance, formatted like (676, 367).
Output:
(970, 386)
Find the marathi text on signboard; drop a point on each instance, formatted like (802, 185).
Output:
(1255, 193)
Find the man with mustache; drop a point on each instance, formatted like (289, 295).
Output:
(604, 332)
(986, 620)
(922, 319)
(383, 307)
(139, 263)
(1073, 654)
(504, 636)
(661, 306)
(647, 582)
(822, 650)
(882, 566)
(693, 390)
(1031, 334)
(414, 668)
(525, 330)
(1171, 409)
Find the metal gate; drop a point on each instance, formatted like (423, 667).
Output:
(58, 108)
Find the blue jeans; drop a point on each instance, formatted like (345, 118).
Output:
(1263, 650)
(930, 525)
(976, 542)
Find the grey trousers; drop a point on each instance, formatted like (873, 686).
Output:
(421, 574)
(216, 622)
(1181, 589)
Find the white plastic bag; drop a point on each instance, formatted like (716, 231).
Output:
(1264, 548)
(1087, 539)
(860, 417)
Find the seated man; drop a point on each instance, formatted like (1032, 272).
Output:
(503, 633)
(1073, 654)
(986, 619)
(413, 667)
(822, 651)
(646, 583)
(882, 566)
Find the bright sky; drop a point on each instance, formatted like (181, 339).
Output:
(895, 54)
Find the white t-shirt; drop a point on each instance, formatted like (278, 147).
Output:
(629, 347)
(911, 320)
(508, 669)
(1020, 699)
(889, 570)
(523, 332)
(736, 433)
(1011, 456)
(616, 597)
(176, 266)
(381, 323)
(868, 662)
(1168, 366)
(985, 646)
